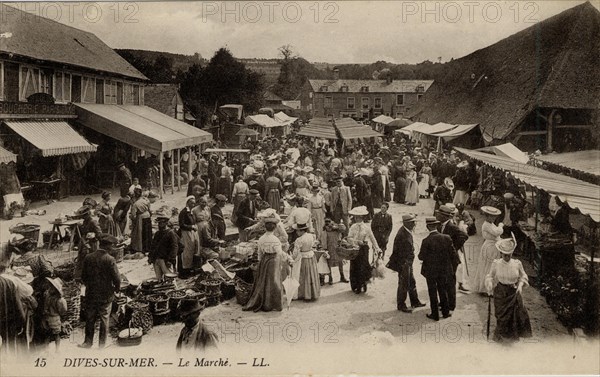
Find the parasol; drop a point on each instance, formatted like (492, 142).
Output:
(290, 285)
(247, 132)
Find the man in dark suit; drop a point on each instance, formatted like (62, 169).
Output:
(446, 215)
(382, 227)
(401, 261)
(246, 214)
(436, 251)
(196, 181)
(101, 278)
(361, 190)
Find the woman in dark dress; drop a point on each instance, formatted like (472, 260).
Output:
(400, 188)
(361, 235)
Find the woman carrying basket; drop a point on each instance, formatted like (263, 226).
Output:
(361, 235)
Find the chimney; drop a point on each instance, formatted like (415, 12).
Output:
(389, 79)
(336, 73)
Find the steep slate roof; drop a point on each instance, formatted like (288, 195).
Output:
(44, 39)
(161, 97)
(551, 64)
(375, 86)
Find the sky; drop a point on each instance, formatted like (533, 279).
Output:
(328, 31)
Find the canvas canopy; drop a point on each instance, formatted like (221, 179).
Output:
(459, 130)
(436, 129)
(52, 138)
(284, 118)
(507, 150)
(383, 119)
(262, 120)
(414, 127)
(578, 194)
(140, 127)
(7, 156)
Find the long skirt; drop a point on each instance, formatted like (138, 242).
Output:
(310, 287)
(224, 187)
(318, 219)
(488, 254)
(460, 197)
(360, 270)
(141, 234)
(237, 199)
(267, 290)
(189, 238)
(274, 199)
(412, 192)
(512, 320)
(400, 191)
(108, 225)
(424, 185)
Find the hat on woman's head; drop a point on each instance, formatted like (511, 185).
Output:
(509, 195)
(448, 183)
(83, 210)
(161, 215)
(271, 216)
(359, 211)
(507, 245)
(490, 210)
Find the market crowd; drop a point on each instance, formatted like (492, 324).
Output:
(308, 207)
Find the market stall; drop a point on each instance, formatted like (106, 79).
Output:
(559, 225)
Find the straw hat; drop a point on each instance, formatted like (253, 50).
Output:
(271, 218)
(56, 283)
(300, 226)
(509, 195)
(507, 245)
(448, 183)
(24, 274)
(409, 218)
(359, 211)
(431, 221)
(490, 210)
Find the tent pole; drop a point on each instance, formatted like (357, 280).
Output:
(189, 162)
(439, 146)
(172, 172)
(162, 170)
(179, 170)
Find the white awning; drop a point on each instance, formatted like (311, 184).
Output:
(507, 150)
(460, 130)
(414, 127)
(383, 119)
(436, 129)
(263, 121)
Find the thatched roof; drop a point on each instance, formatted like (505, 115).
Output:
(32, 36)
(552, 64)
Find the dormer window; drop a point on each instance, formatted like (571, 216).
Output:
(324, 88)
(420, 89)
(364, 89)
(344, 88)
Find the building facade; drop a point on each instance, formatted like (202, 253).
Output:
(362, 99)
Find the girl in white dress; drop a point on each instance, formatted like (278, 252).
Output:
(491, 233)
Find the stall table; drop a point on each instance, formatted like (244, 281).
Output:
(56, 234)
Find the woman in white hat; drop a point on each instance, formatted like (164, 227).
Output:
(267, 291)
(361, 235)
(506, 280)
(489, 252)
(412, 187)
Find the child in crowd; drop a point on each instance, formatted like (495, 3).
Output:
(333, 234)
(55, 306)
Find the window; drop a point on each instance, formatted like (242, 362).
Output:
(399, 99)
(33, 80)
(324, 88)
(365, 103)
(377, 102)
(88, 89)
(327, 103)
(344, 88)
(364, 89)
(131, 95)
(419, 97)
(110, 92)
(62, 87)
(420, 89)
(350, 102)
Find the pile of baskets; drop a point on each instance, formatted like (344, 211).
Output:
(212, 291)
(72, 295)
(158, 305)
(137, 315)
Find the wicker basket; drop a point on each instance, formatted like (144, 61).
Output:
(243, 291)
(65, 272)
(117, 253)
(347, 253)
(30, 231)
(72, 295)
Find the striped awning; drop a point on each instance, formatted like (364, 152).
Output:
(52, 138)
(7, 156)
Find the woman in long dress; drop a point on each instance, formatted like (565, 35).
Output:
(305, 270)
(267, 291)
(400, 186)
(361, 235)
(332, 233)
(273, 189)
(106, 221)
(506, 280)
(240, 191)
(489, 252)
(141, 222)
(189, 236)
(412, 188)
(316, 205)
(224, 181)
(424, 182)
